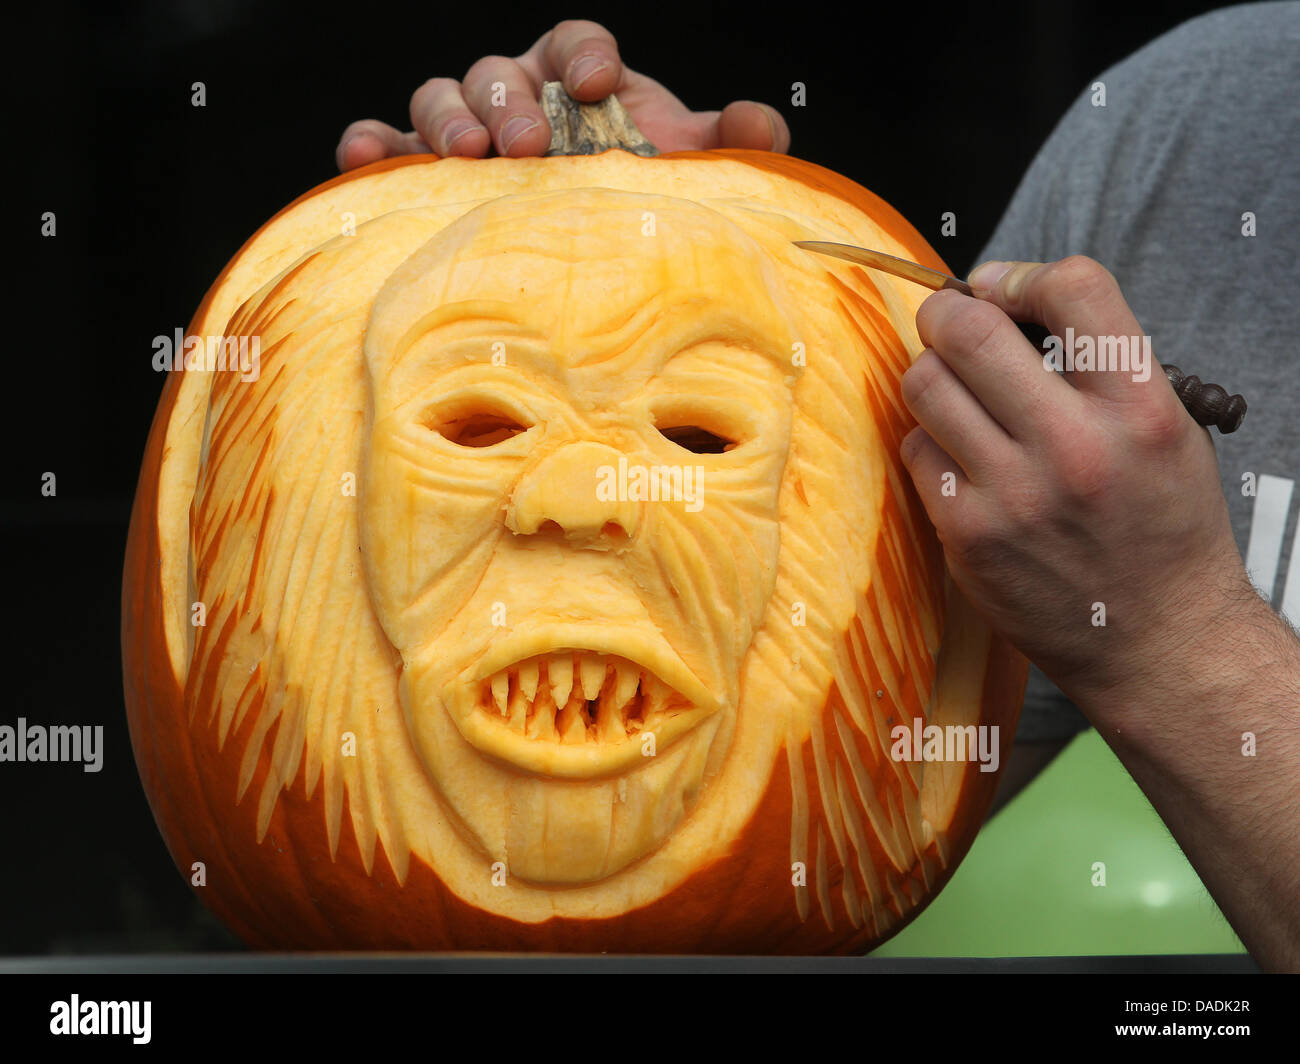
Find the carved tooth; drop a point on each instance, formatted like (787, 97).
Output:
(624, 688)
(572, 723)
(501, 691)
(559, 674)
(656, 692)
(519, 704)
(541, 721)
(591, 670)
(528, 679)
(609, 722)
(654, 703)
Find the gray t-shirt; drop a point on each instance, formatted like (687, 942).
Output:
(1196, 146)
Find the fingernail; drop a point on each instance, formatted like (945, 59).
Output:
(514, 129)
(986, 275)
(583, 68)
(1011, 290)
(454, 131)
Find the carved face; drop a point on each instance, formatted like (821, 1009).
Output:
(563, 583)
(578, 439)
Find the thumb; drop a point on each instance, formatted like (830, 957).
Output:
(1001, 282)
(1077, 298)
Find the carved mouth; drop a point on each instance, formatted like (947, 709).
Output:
(583, 710)
(579, 697)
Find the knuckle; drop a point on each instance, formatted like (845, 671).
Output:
(970, 329)
(934, 312)
(922, 378)
(361, 125)
(436, 85)
(1087, 471)
(425, 99)
(1158, 425)
(1026, 504)
(960, 325)
(979, 544)
(488, 66)
(1079, 278)
(976, 326)
(573, 26)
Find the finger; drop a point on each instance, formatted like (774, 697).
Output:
(940, 481)
(954, 418)
(441, 116)
(1079, 293)
(581, 54)
(748, 124)
(998, 365)
(500, 93)
(369, 140)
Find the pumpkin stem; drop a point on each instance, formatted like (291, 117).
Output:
(590, 128)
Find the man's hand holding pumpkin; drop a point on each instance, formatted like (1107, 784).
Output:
(1073, 494)
(496, 107)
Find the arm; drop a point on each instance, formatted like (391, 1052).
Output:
(1183, 733)
(1099, 490)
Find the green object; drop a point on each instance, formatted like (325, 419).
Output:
(1026, 888)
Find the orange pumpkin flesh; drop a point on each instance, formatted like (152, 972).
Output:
(770, 817)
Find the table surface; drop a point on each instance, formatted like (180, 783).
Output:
(483, 963)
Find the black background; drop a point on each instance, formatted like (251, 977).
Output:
(936, 109)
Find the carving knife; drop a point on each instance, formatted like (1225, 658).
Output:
(1207, 403)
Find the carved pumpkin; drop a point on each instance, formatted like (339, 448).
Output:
(552, 580)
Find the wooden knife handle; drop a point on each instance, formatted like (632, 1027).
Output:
(1208, 404)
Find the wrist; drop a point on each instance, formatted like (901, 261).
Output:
(1194, 656)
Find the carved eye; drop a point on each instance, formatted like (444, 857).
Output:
(698, 426)
(483, 426)
(696, 439)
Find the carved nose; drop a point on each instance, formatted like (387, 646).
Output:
(570, 490)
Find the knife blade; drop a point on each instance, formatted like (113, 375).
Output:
(1208, 404)
(909, 271)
